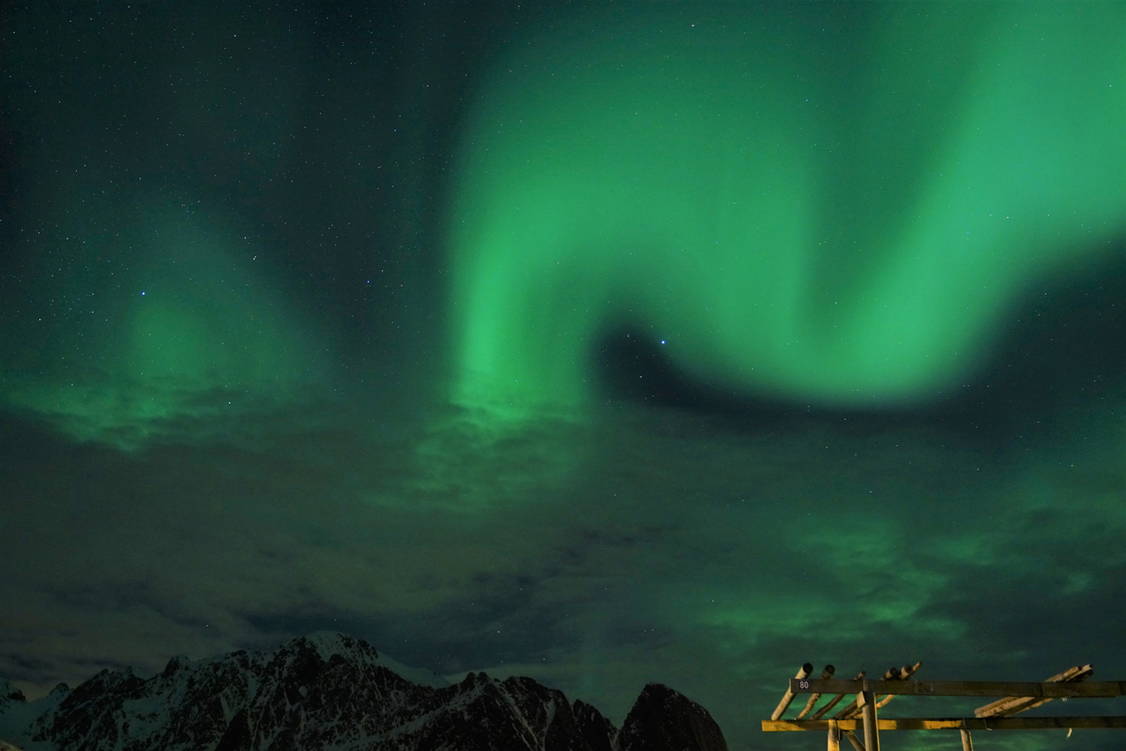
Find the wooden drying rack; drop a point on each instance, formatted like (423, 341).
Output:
(873, 695)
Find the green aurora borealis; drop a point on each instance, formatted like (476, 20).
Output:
(199, 319)
(638, 169)
(601, 343)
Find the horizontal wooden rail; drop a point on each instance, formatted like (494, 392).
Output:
(960, 688)
(958, 723)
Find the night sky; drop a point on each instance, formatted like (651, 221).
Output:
(603, 343)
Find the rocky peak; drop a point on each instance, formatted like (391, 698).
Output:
(174, 666)
(664, 720)
(597, 732)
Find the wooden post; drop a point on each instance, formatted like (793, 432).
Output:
(834, 743)
(803, 672)
(967, 741)
(867, 703)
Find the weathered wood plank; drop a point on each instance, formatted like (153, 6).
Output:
(956, 723)
(963, 688)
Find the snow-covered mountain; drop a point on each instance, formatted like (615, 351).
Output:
(331, 691)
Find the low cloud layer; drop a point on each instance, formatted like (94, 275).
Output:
(671, 548)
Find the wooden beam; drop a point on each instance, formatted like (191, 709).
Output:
(825, 675)
(836, 700)
(851, 736)
(802, 674)
(1011, 705)
(965, 688)
(866, 700)
(955, 723)
(967, 740)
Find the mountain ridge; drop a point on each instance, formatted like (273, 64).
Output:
(328, 690)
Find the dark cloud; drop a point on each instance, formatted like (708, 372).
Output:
(633, 565)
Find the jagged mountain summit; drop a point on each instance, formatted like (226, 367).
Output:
(331, 691)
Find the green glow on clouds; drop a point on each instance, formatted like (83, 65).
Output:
(849, 225)
(194, 331)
